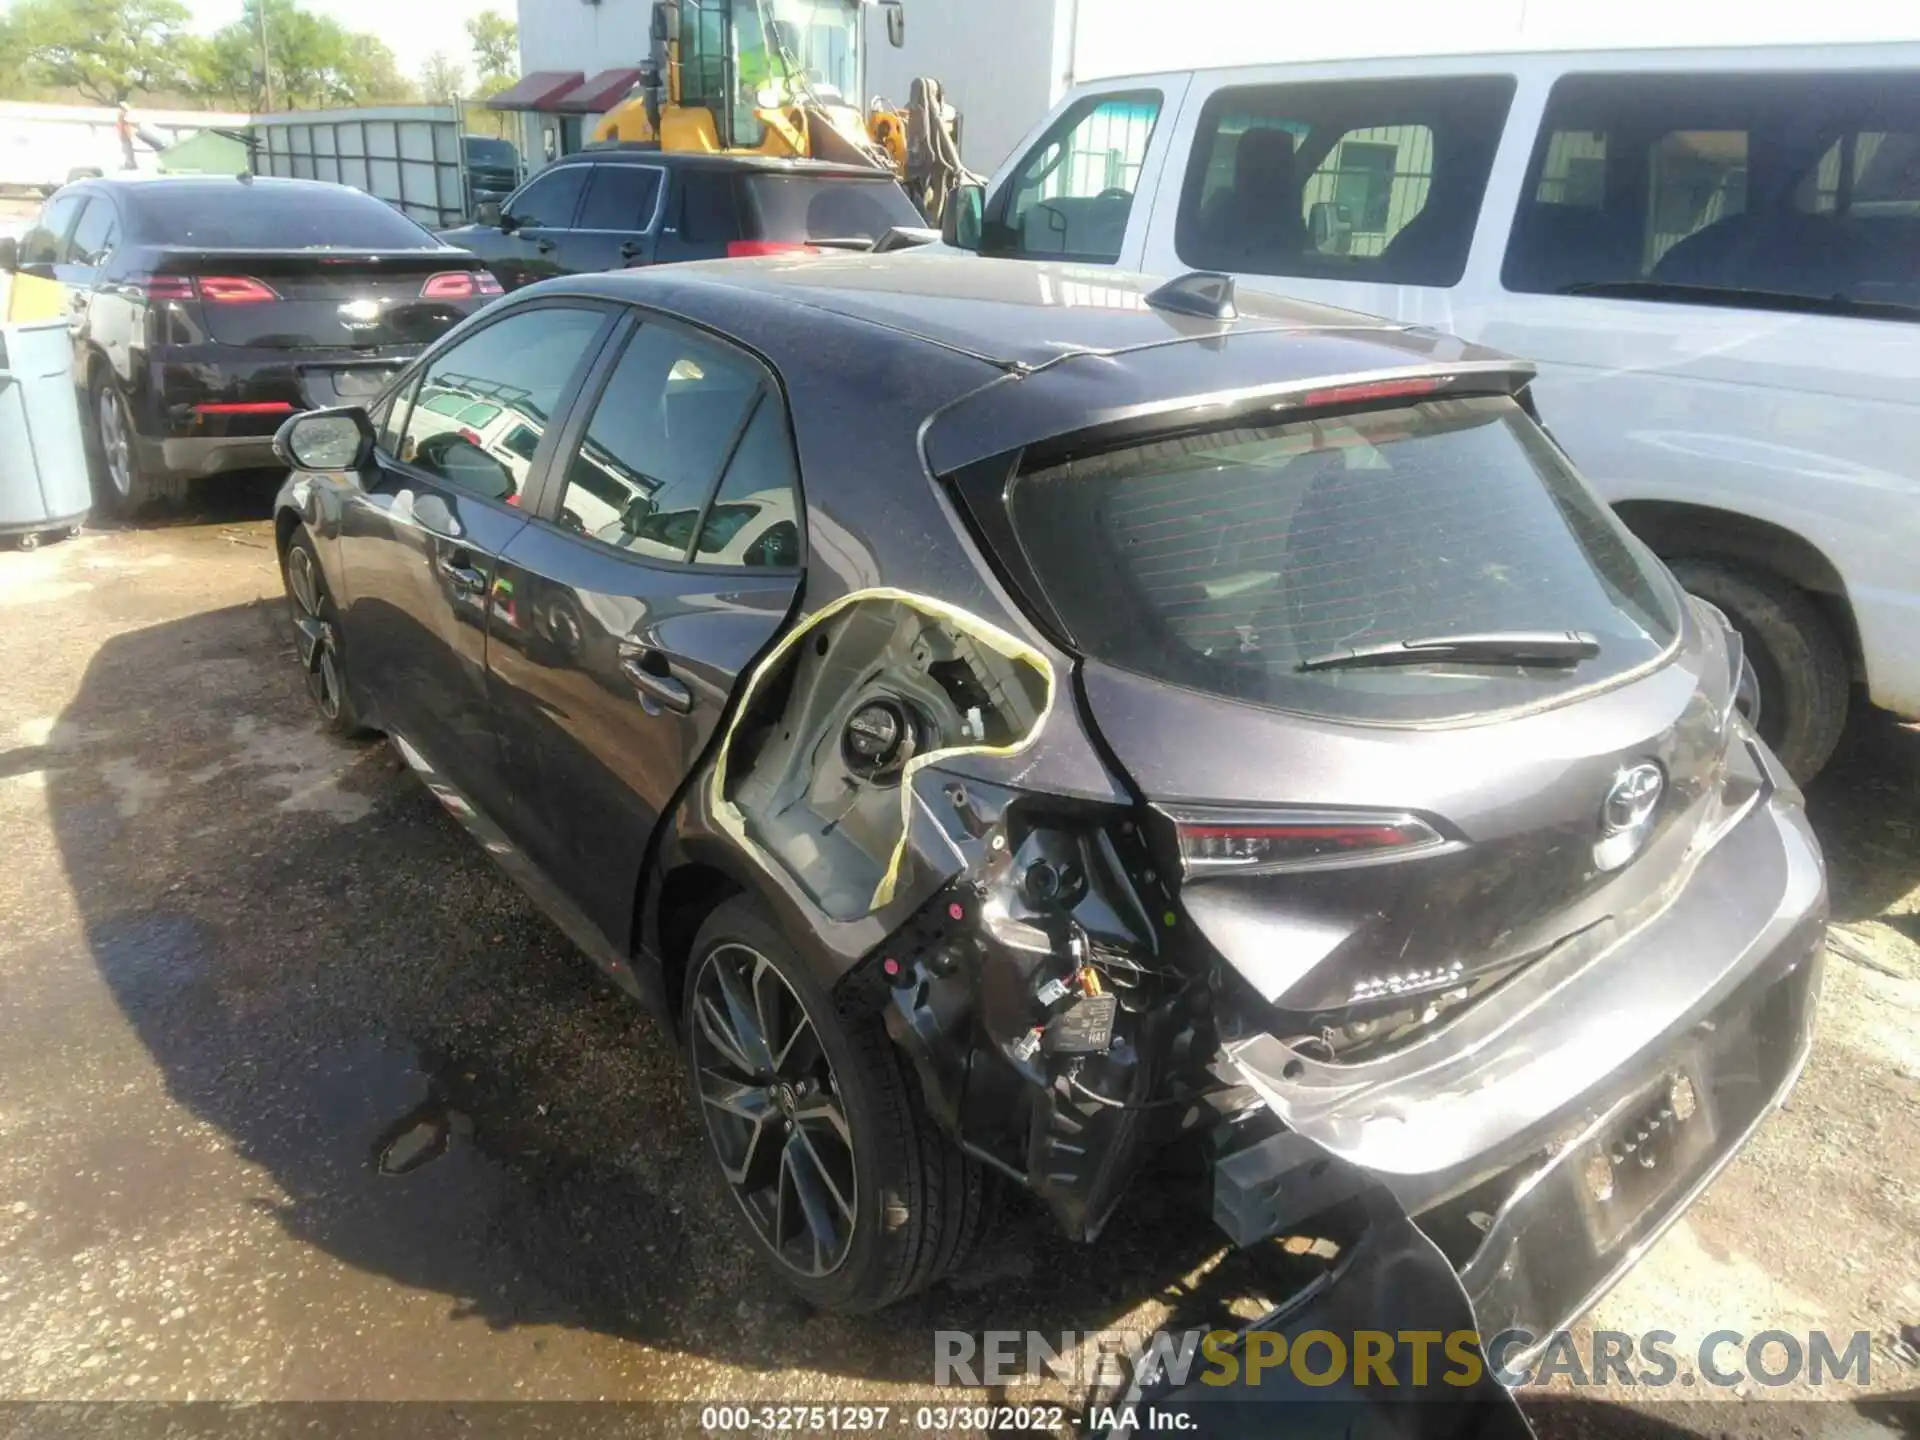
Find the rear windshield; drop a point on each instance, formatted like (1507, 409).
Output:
(805, 207)
(274, 217)
(1221, 561)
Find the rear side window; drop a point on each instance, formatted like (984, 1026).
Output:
(1368, 180)
(680, 419)
(709, 208)
(799, 207)
(620, 197)
(1070, 197)
(1797, 190)
(96, 234)
(266, 215)
(1222, 561)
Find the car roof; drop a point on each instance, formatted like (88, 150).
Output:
(636, 154)
(1016, 314)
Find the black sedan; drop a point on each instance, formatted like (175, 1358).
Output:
(206, 310)
(1017, 720)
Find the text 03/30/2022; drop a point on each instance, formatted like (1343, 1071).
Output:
(931, 1419)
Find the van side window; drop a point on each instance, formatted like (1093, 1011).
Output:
(1072, 193)
(1350, 180)
(1802, 190)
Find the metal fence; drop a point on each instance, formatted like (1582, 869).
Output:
(411, 156)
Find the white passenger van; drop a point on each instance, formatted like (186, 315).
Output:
(1713, 255)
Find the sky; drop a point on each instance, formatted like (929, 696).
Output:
(412, 29)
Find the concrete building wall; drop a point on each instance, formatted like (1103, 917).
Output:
(571, 35)
(996, 58)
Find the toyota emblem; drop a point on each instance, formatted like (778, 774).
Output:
(1634, 797)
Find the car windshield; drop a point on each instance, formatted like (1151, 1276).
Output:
(267, 216)
(1223, 561)
(497, 153)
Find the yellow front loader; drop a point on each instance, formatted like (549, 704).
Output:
(784, 78)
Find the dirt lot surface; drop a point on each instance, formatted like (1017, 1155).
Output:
(300, 1100)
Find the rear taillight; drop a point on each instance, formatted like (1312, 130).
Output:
(167, 287)
(745, 249)
(460, 285)
(233, 290)
(1270, 841)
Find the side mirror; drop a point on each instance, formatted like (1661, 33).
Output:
(326, 440)
(487, 212)
(896, 23)
(960, 222)
(657, 27)
(9, 253)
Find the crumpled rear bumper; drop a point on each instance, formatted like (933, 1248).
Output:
(1542, 1104)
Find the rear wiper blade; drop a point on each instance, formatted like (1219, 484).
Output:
(1506, 647)
(1745, 299)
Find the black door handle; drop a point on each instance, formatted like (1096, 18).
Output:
(631, 251)
(463, 577)
(544, 246)
(647, 669)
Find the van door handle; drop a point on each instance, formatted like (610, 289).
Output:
(647, 669)
(544, 246)
(462, 577)
(631, 251)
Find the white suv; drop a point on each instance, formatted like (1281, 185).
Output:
(1714, 255)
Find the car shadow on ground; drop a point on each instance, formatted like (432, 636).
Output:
(324, 967)
(327, 970)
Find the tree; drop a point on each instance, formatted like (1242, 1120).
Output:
(108, 50)
(316, 62)
(496, 51)
(442, 79)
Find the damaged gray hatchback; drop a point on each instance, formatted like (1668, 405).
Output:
(1014, 720)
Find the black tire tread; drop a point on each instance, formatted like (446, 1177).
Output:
(1801, 644)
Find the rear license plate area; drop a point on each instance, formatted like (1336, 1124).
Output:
(347, 385)
(1652, 1146)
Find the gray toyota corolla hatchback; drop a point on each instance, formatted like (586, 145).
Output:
(1018, 720)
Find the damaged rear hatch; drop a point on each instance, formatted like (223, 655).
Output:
(1452, 776)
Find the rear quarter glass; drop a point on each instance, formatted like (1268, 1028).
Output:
(1220, 561)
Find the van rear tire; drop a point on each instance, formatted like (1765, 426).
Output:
(1805, 681)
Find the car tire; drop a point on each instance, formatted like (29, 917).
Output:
(316, 633)
(122, 486)
(903, 1206)
(1801, 666)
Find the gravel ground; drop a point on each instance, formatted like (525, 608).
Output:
(300, 1100)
